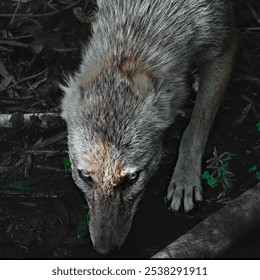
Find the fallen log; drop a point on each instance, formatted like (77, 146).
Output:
(214, 236)
(8, 120)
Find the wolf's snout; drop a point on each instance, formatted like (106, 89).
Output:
(105, 242)
(104, 248)
(110, 222)
(101, 250)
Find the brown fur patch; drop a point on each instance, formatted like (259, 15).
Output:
(130, 67)
(94, 72)
(139, 74)
(105, 170)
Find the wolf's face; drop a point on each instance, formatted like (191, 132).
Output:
(114, 134)
(113, 185)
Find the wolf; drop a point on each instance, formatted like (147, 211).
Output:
(133, 79)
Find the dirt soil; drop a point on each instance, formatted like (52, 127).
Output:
(42, 213)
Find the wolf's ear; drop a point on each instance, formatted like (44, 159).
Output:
(88, 75)
(70, 98)
(142, 79)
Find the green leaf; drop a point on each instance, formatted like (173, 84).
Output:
(211, 182)
(252, 169)
(67, 164)
(224, 165)
(229, 154)
(258, 126)
(82, 228)
(248, 152)
(205, 175)
(229, 184)
(257, 174)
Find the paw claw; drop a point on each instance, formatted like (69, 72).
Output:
(184, 190)
(170, 193)
(175, 205)
(198, 196)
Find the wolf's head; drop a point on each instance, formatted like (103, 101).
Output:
(115, 120)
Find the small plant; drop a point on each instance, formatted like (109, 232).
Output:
(258, 126)
(221, 173)
(82, 228)
(67, 164)
(254, 169)
(211, 181)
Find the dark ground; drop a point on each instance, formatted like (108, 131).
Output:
(40, 207)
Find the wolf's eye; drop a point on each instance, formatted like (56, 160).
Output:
(132, 177)
(86, 177)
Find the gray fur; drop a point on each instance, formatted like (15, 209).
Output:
(132, 80)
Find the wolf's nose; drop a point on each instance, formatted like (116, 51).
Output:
(105, 249)
(102, 250)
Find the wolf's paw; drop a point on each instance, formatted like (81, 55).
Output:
(185, 187)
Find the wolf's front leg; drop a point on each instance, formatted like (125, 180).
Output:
(185, 184)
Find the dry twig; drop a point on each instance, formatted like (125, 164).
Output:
(6, 119)
(42, 15)
(50, 140)
(254, 13)
(24, 80)
(14, 44)
(15, 12)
